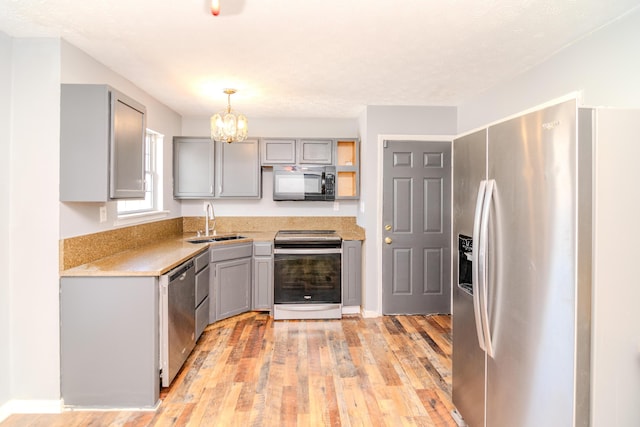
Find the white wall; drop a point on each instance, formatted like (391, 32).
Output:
(78, 67)
(33, 208)
(272, 127)
(604, 66)
(616, 318)
(6, 62)
(401, 122)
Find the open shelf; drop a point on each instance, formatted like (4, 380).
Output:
(347, 184)
(346, 153)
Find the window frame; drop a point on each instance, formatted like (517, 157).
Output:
(153, 203)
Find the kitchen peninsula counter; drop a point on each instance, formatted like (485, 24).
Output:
(154, 259)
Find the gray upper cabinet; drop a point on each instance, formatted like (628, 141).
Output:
(277, 151)
(238, 170)
(347, 161)
(315, 151)
(289, 151)
(102, 133)
(193, 168)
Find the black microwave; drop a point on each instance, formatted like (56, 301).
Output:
(299, 182)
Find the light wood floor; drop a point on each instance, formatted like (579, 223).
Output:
(252, 371)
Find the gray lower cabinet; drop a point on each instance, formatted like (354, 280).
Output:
(193, 168)
(102, 137)
(202, 292)
(109, 341)
(351, 273)
(238, 173)
(262, 276)
(230, 280)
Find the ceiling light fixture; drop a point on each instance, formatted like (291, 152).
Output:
(228, 126)
(215, 7)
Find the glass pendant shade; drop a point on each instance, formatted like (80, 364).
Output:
(228, 126)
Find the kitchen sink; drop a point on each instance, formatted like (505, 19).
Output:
(220, 238)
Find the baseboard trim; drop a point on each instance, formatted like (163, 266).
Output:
(111, 409)
(24, 406)
(370, 313)
(351, 309)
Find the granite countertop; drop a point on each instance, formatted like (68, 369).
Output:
(156, 259)
(152, 260)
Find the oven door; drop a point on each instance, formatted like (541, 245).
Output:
(307, 276)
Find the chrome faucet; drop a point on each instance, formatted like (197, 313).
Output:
(208, 215)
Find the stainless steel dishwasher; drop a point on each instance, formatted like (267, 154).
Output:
(177, 319)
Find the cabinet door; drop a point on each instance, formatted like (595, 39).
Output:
(238, 169)
(263, 283)
(232, 281)
(128, 128)
(102, 134)
(193, 167)
(262, 276)
(277, 151)
(351, 273)
(315, 151)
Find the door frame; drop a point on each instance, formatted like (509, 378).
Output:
(380, 195)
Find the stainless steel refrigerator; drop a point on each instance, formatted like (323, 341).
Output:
(522, 272)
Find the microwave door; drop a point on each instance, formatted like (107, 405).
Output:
(289, 186)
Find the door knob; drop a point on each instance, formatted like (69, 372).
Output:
(388, 240)
(387, 227)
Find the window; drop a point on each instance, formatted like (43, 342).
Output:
(153, 180)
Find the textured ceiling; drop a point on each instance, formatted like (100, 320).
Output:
(313, 58)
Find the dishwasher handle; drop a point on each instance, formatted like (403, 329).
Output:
(180, 271)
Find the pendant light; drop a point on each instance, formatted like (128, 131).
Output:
(228, 126)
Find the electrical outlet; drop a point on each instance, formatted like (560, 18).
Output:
(336, 206)
(103, 214)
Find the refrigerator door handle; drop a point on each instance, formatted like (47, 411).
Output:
(475, 276)
(483, 275)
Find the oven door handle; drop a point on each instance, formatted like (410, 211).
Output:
(309, 251)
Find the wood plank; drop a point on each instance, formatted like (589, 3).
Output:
(252, 371)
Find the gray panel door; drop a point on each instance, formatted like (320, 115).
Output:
(416, 255)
